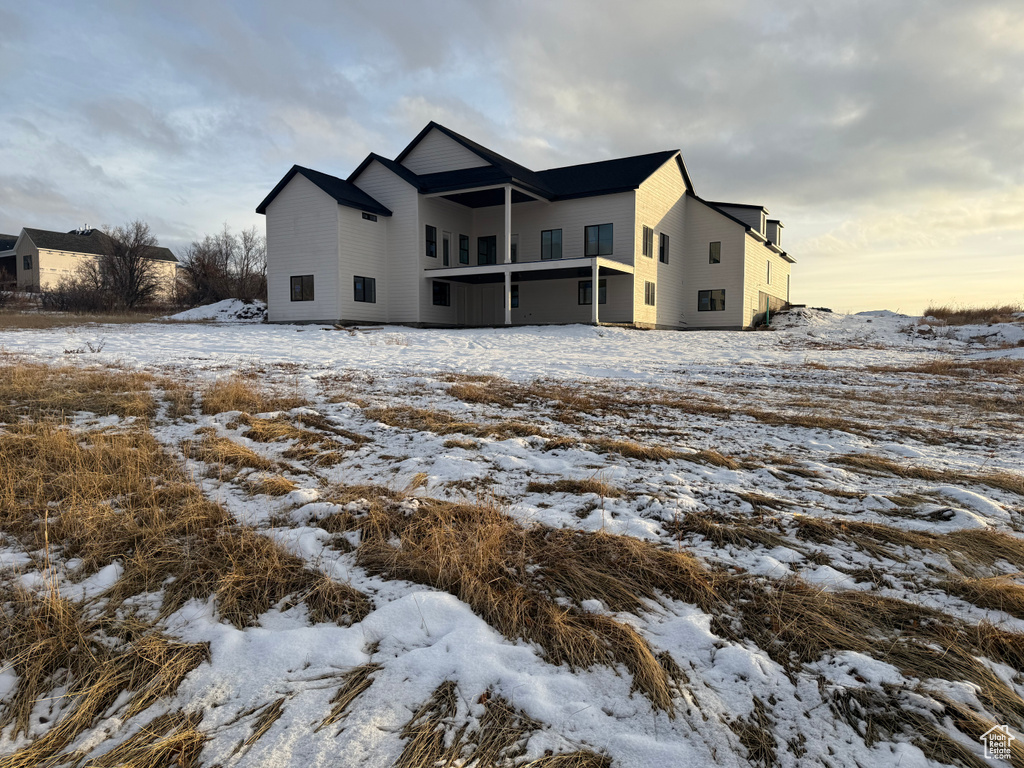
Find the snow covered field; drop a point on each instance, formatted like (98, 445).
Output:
(858, 464)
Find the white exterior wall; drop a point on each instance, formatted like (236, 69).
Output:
(754, 217)
(401, 241)
(437, 152)
(661, 205)
(27, 278)
(758, 256)
(704, 225)
(557, 301)
(457, 219)
(362, 249)
(302, 239)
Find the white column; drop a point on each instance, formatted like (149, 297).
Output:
(595, 290)
(507, 258)
(508, 295)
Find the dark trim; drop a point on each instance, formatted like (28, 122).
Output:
(718, 203)
(399, 170)
(718, 210)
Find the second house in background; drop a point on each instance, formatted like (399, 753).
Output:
(450, 233)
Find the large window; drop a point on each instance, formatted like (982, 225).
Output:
(711, 301)
(663, 248)
(648, 241)
(365, 289)
(649, 297)
(715, 253)
(551, 244)
(487, 250)
(442, 294)
(302, 287)
(586, 292)
(431, 241)
(463, 249)
(598, 238)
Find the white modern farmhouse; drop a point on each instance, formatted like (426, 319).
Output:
(450, 233)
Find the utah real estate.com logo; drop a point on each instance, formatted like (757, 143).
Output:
(997, 742)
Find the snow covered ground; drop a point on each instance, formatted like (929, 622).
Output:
(873, 419)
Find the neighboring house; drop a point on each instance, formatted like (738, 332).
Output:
(450, 233)
(8, 267)
(42, 257)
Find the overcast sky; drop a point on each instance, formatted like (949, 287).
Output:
(887, 135)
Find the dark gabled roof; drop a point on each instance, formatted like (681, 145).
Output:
(7, 242)
(93, 242)
(345, 192)
(511, 171)
(716, 209)
(736, 205)
(607, 176)
(399, 170)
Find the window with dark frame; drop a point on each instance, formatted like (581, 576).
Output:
(715, 252)
(463, 249)
(26, 261)
(431, 241)
(550, 244)
(598, 240)
(365, 289)
(369, 216)
(514, 297)
(586, 292)
(487, 249)
(711, 301)
(648, 248)
(649, 297)
(302, 287)
(442, 294)
(446, 248)
(663, 248)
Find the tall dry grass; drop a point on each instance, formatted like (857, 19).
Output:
(35, 390)
(964, 314)
(247, 394)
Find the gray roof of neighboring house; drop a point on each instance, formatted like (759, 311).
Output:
(95, 243)
(344, 192)
(7, 242)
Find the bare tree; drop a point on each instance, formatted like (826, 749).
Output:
(251, 265)
(127, 269)
(225, 266)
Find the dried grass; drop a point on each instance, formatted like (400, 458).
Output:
(354, 682)
(443, 423)
(1007, 481)
(246, 394)
(225, 451)
(173, 739)
(997, 593)
(974, 315)
(579, 487)
(634, 450)
(36, 390)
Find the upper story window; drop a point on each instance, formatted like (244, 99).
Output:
(302, 287)
(431, 241)
(446, 248)
(598, 239)
(711, 301)
(551, 244)
(648, 248)
(715, 253)
(663, 248)
(365, 289)
(26, 261)
(463, 249)
(487, 249)
(369, 216)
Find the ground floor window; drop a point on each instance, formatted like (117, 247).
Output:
(442, 294)
(649, 294)
(302, 287)
(27, 261)
(365, 289)
(586, 292)
(711, 301)
(514, 297)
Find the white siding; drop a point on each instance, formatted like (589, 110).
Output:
(302, 239)
(27, 278)
(758, 256)
(401, 241)
(753, 217)
(362, 248)
(703, 226)
(437, 152)
(557, 301)
(661, 205)
(446, 216)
